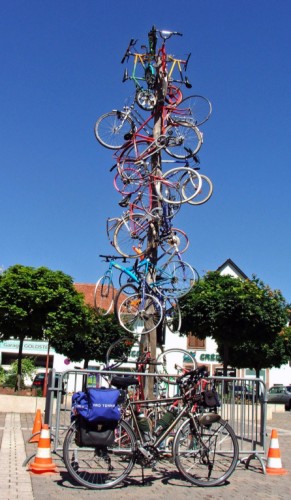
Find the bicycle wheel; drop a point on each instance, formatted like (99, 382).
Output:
(100, 468)
(174, 279)
(175, 240)
(155, 206)
(175, 179)
(119, 350)
(172, 363)
(172, 315)
(111, 128)
(140, 313)
(194, 109)
(104, 294)
(131, 231)
(127, 181)
(203, 194)
(206, 456)
(183, 140)
(126, 289)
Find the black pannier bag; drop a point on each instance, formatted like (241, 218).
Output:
(95, 435)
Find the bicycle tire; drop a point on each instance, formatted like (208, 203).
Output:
(152, 203)
(117, 350)
(128, 159)
(175, 279)
(183, 140)
(172, 315)
(128, 181)
(209, 457)
(172, 363)
(101, 469)
(175, 239)
(126, 289)
(104, 294)
(204, 193)
(140, 314)
(131, 231)
(196, 109)
(176, 178)
(111, 128)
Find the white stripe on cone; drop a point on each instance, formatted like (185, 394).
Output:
(43, 453)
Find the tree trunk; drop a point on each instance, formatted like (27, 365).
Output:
(19, 365)
(151, 338)
(225, 358)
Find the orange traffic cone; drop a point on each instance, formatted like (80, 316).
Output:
(35, 433)
(274, 464)
(43, 459)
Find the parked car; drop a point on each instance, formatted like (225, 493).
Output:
(244, 392)
(38, 381)
(280, 394)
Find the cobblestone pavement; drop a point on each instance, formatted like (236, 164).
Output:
(165, 482)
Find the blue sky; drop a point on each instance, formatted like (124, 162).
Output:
(60, 70)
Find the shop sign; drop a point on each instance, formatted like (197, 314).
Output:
(205, 357)
(28, 346)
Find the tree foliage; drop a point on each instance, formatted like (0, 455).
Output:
(234, 312)
(91, 344)
(34, 301)
(257, 356)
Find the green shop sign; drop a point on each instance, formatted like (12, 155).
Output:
(210, 357)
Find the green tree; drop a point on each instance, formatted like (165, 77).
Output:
(233, 311)
(250, 354)
(91, 344)
(35, 300)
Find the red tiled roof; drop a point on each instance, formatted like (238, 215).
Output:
(87, 289)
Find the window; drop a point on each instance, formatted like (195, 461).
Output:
(195, 343)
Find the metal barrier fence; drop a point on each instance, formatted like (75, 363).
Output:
(243, 405)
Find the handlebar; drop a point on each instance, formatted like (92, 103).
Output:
(107, 258)
(127, 52)
(194, 375)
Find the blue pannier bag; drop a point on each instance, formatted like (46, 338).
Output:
(98, 406)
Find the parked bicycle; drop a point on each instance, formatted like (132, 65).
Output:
(205, 448)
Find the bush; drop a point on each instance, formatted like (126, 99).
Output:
(2, 375)
(9, 378)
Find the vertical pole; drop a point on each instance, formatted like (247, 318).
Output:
(46, 371)
(156, 169)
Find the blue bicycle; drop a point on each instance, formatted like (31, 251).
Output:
(148, 287)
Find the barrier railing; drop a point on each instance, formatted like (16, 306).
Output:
(243, 405)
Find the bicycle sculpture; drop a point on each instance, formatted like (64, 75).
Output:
(152, 195)
(112, 429)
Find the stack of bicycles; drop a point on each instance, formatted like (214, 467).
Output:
(147, 293)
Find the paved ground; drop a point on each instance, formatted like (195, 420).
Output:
(17, 483)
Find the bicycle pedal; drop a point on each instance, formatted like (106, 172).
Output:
(128, 136)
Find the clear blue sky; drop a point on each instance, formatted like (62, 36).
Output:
(60, 70)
